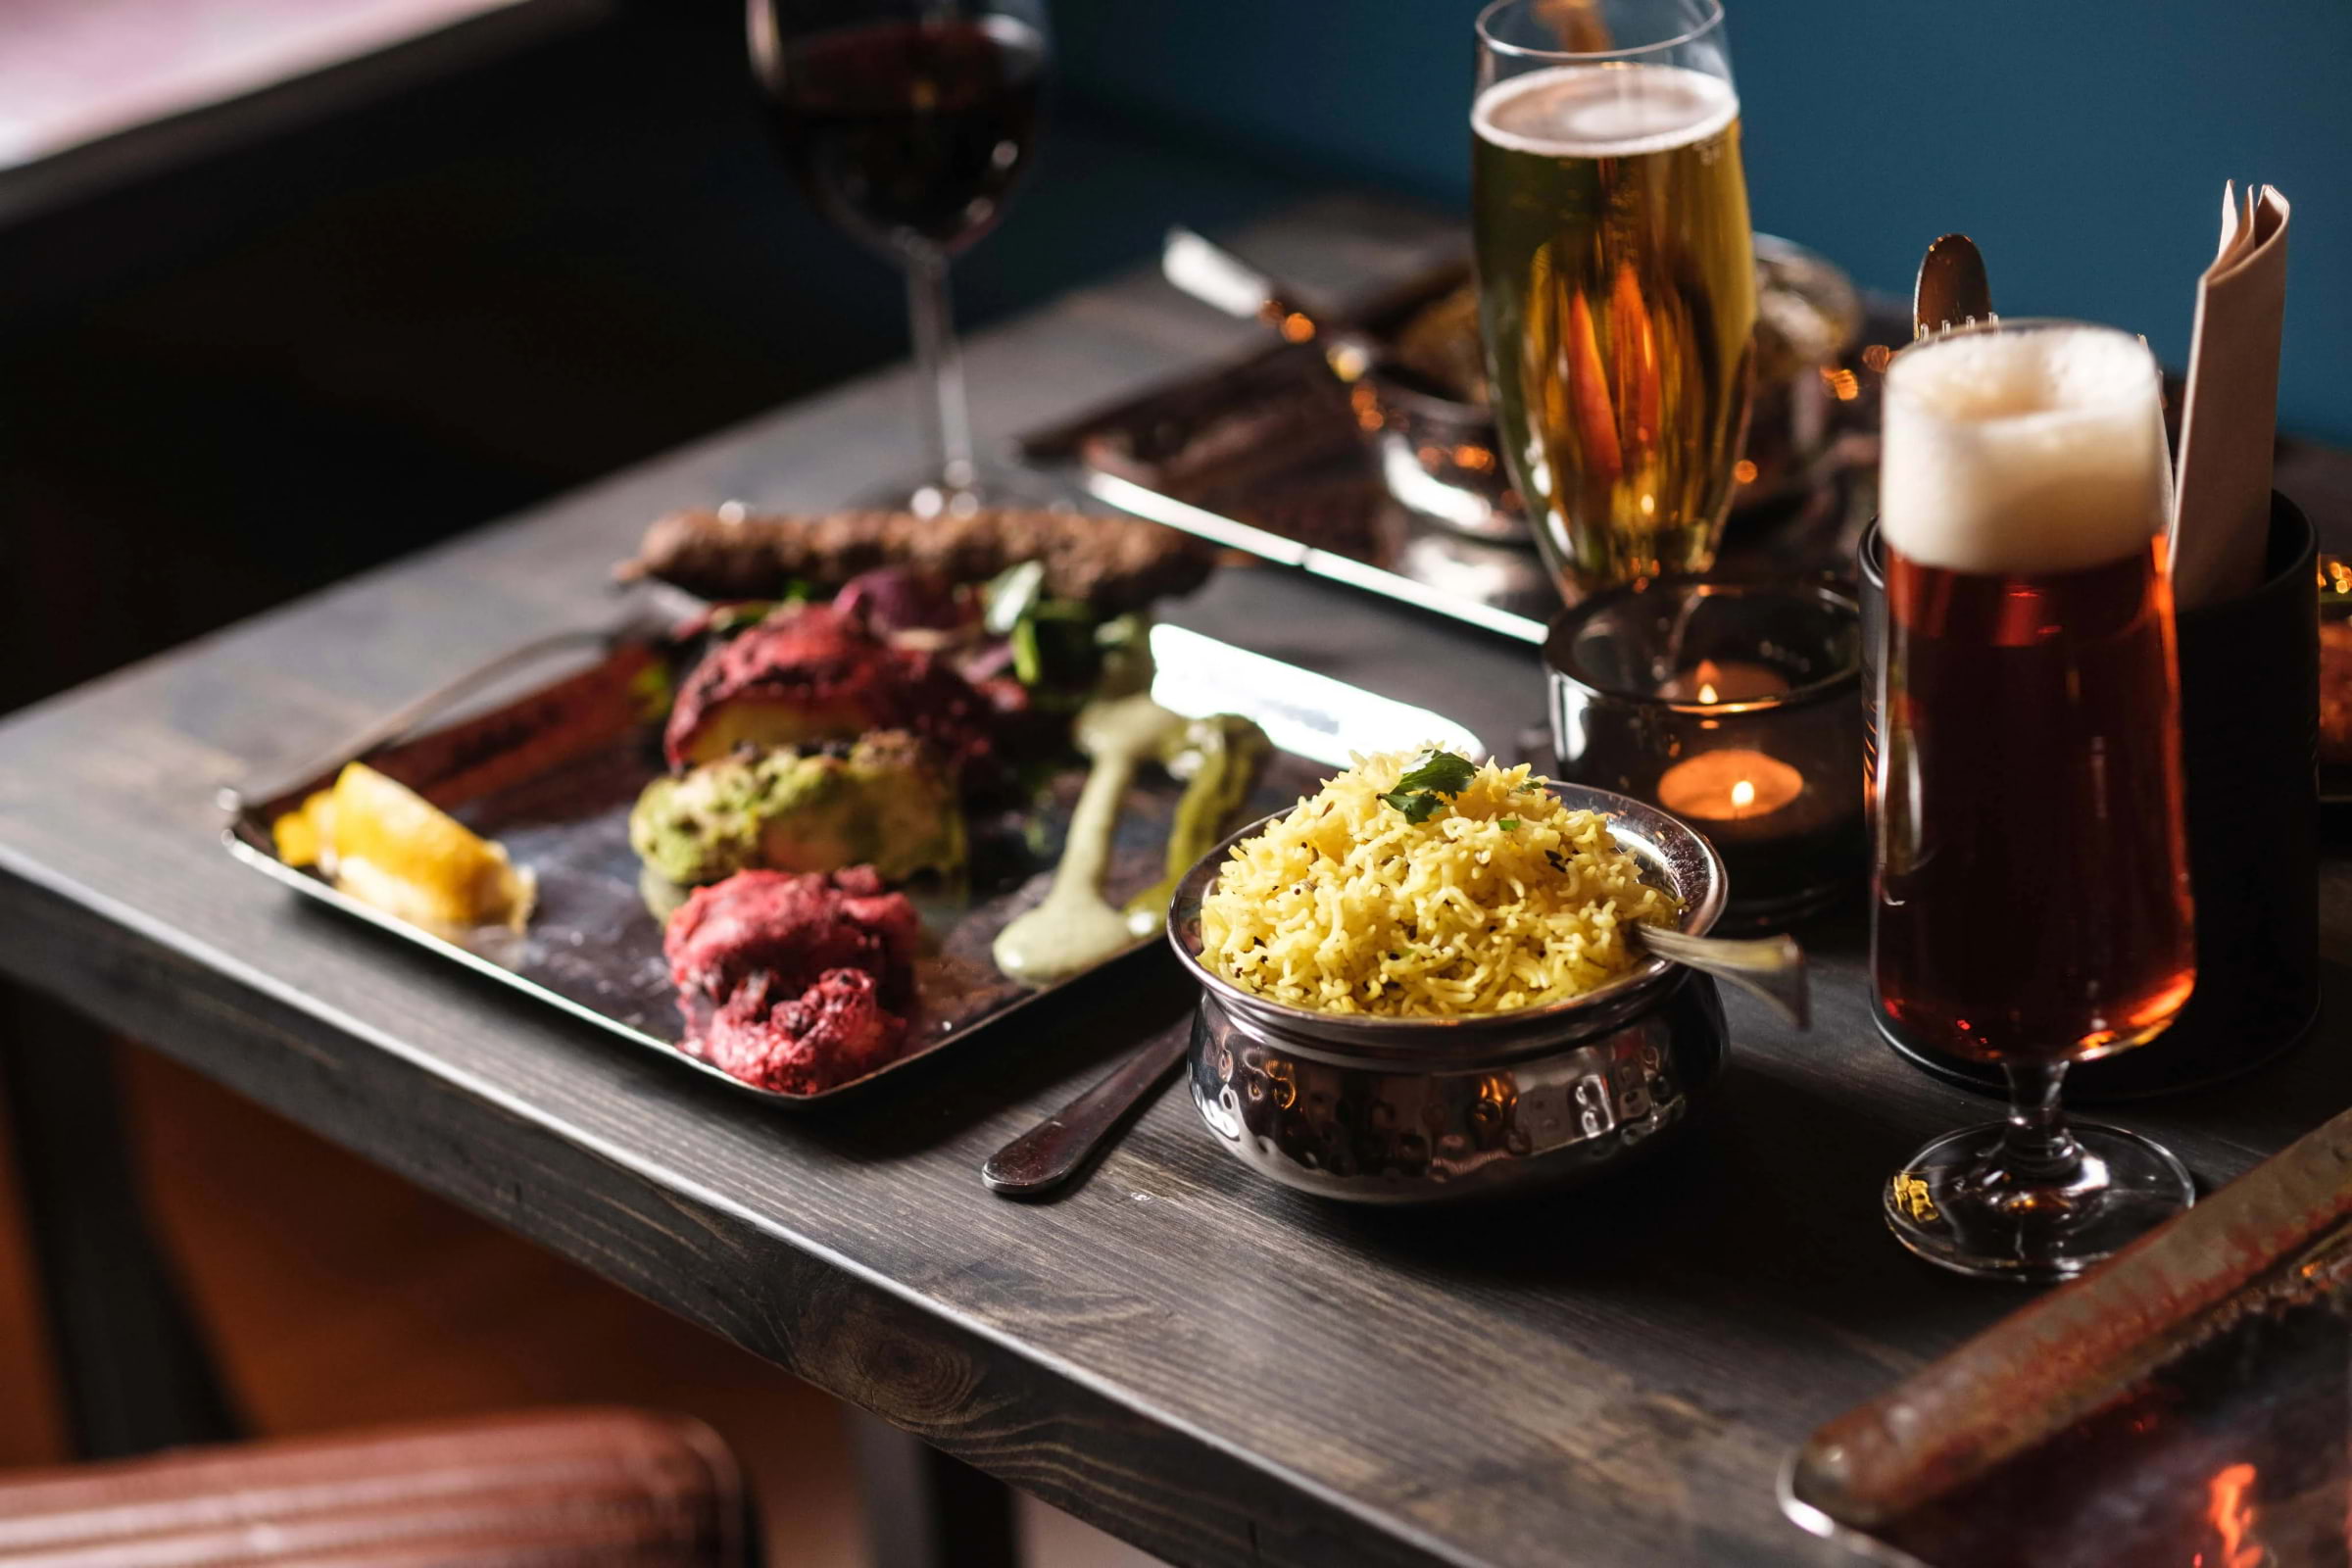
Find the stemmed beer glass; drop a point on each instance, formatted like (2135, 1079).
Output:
(1616, 275)
(906, 122)
(2031, 905)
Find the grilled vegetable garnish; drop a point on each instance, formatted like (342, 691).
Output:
(1110, 565)
(885, 801)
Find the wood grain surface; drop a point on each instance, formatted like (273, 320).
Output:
(1217, 1370)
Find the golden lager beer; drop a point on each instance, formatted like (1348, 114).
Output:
(1618, 288)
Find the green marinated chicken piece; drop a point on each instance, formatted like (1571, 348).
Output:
(887, 802)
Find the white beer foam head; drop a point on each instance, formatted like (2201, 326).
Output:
(2023, 451)
(1603, 111)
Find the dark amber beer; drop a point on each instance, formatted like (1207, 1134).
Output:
(2032, 899)
(1617, 283)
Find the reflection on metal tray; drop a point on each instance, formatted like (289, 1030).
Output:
(2188, 1404)
(552, 775)
(1267, 455)
(2335, 680)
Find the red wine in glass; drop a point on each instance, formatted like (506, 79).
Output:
(906, 122)
(909, 134)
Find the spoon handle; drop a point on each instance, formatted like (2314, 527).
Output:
(1771, 967)
(1043, 1157)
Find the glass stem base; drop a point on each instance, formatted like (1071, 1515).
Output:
(2034, 1198)
(939, 366)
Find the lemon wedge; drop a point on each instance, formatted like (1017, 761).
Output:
(383, 843)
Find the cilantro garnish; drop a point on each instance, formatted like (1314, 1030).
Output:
(1434, 774)
(1510, 824)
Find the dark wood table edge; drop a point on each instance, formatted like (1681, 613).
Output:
(956, 1383)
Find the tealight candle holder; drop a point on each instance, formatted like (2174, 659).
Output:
(1735, 705)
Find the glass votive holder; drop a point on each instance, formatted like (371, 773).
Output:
(1734, 705)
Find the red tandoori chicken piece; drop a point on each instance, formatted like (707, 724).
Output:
(811, 674)
(794, 982)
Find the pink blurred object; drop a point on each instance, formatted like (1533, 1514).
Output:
(890, 600)
(73, 72)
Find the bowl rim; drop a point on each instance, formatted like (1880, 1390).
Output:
(1642, 829)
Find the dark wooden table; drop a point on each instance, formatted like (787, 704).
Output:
(1213, 1368)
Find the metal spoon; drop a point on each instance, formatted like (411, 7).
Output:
(1046, 1155)
(1952, 289)
(1771, 968)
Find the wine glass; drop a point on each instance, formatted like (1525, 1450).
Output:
(2032, 904)
(907, 123)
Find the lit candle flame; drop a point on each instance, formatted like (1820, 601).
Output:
(1706, 692)
(2233, 1517)
(1729, 784)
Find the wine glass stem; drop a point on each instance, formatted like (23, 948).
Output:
(948, 421)
(2038, 1145)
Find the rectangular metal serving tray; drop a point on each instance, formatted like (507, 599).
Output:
(552, 775)
(2190, 1402)
(1497, 587)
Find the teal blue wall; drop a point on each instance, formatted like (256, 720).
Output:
(2082, 142)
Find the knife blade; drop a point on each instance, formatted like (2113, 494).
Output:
(1216, 277)
(1302, 713)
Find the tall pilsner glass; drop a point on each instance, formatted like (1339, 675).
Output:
(1616, 275)
(2031, 898)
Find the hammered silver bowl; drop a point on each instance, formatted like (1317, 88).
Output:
(1419, 1111)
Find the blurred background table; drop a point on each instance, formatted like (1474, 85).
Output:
(1217, 1370)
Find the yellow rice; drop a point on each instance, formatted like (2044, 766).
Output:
(1345, 906)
